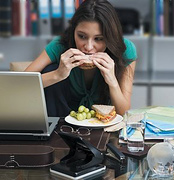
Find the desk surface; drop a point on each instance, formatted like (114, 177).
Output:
(133, 169)
(114, 170)
(97, 138)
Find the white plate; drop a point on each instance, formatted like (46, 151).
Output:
(93, 122)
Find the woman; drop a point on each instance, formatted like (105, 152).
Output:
(94, 32)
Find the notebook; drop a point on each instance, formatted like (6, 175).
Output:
(23, 113)
(159, 123)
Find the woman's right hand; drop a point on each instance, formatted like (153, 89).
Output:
(68, 60)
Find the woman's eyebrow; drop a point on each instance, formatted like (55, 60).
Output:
(87, 34)
(100, 35)
(81, 32)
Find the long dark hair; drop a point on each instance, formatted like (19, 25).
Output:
(103, 12)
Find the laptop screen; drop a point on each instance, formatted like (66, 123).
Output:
(22, 102)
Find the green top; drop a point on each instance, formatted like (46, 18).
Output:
(79, 93)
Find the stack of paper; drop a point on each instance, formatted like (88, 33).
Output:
(159, 123)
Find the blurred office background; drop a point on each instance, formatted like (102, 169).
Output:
(26, 26)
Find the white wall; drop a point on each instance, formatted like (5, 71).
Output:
(20, 49)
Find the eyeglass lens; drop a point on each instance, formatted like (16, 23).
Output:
(80, 131)
(83, 131)
(67, 129)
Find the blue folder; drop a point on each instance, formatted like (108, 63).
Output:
(159, 123)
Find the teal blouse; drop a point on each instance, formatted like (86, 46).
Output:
(79, 93)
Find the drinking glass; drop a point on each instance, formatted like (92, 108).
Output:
(135, 130)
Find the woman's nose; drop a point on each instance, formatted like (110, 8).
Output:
(89, 45)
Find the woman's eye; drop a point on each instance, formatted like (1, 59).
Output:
(99, 38)
(81, 36)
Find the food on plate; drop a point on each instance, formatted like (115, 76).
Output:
(105, 113)
(82, 113)
(79, 116)
(88, 64)
(92, 113)
(73, 113)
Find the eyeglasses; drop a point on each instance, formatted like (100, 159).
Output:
(82, 131)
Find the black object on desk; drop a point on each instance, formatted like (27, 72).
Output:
(113, 152)
(115, 159)
(82, 160)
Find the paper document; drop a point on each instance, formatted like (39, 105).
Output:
(159, 123)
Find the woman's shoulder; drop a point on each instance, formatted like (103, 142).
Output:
(130, 53)
(54, 49)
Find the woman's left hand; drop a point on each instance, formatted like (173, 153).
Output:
(106, 65)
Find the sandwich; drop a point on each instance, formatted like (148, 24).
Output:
(88, 64)
(104, 113)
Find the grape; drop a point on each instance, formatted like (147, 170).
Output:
(88, 115)
(84, 115)
(92, 113)
(79, 116)
(81, 108)
(73, 113)
(86, 110)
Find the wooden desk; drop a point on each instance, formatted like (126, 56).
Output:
(98, 138)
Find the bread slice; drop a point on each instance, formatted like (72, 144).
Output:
(105, 113)
(88, 64)
(104, 110)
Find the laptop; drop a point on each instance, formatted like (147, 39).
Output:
(23, 112)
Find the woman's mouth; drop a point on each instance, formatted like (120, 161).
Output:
(88, 53)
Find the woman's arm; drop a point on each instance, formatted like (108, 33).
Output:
(120, 90)
(68, 60)
(39, 64)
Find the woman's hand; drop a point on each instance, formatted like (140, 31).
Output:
(70, 59)
(106, 65)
